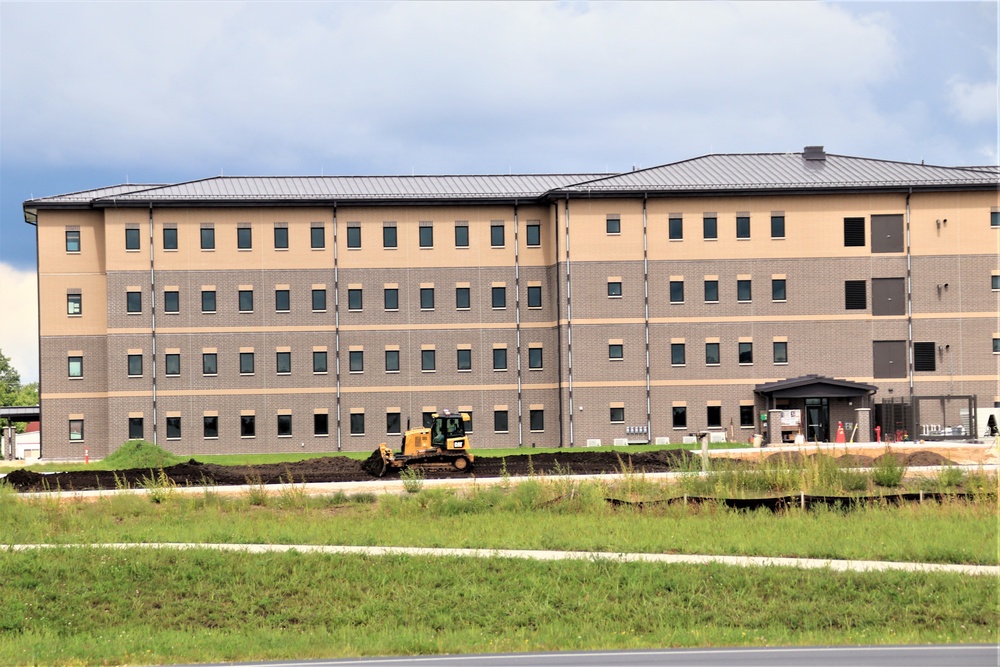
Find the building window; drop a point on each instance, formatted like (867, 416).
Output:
(711, 354)
(614, 289)
(170, 238)
(135, 365)
(357, 361)
(319, 300)
(534, 296)
(208, 238)
(244, 238)
(135, 428)
(461, 236)
(76, 367)
(746, 353)
(355, 299)
(284, 426)
(534, 358)
(209, 363)
(854, 232)
(617, 415)
(777, 226)
(428, 419)
(778, 292)
(499, 358)
(780, 352)
(677, 354)
(924, 357)
(72, 240)
(393, 423)
(131, 239)
(680, 416)
(468, 424)
(742, 227)
(208, 301)
(389, 237)
(499, 421)
(710, 228)
(321, 423)
(746, 416)
(74, 303)
(536, 421)
(354, 237)
(76, 430)
(499, 300)
(172, 363)
(282, 300)
(172, 302)
(994, 219)
(426, 298)
(676, 291)
(281, 238)
(133, 302)
(464, 360)
(614, 225)
(392, 361)
(283, 363)
(534, 235)
(995, 282)
(616, 351)
(317, 237)
(711, 291)
(714, 414)
(462, 299)
(210, 426)
(248, 426)
(173, 428)
(357, 423)
(428, 362)
(426, 236)
(319, 361)
(496, 236)
(246, 301)
(675, 229)
(996, 345)
(743, 292)
(855, 295)
(246, 363)
(390, 298)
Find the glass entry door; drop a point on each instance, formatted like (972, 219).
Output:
(818, 419)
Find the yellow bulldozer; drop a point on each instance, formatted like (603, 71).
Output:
(443, 444)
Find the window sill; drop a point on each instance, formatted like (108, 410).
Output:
(616, 358)
(678, 365)
(135, 376)
(172, 375)
(244, 250)
(395, 372)
(464, 370)
(536, 369)
(209, 312)
(713, 365)
(350, 310)
(352, 373)
(209, 375)
(426, 310)
(779, 300)
(676, 303)
(320, 372)
(210, 437)
(285, 436)
(248, 437)
(75, 377)
(357, 435)
(171, 312)
(501, 432)
(246, 312)
(781, 363)
(208, 249)
(277, 312)
(675, 240)
(321, 435)
(499, 370)
(281, 249)
(424, 370)
(246, 374)
(614, 296)
(389, 247)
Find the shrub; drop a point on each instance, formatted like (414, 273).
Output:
(140, 454)
(888, 470)
(413, 479)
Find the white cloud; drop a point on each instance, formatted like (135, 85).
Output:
(974, 102)
(19, 325)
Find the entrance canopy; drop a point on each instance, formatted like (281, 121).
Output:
(22, 413)
(813, 386)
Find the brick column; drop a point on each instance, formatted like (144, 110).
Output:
(864, 422)
(773, 427)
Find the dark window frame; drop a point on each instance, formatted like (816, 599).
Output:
(208, 295)
(535, 358)
(675, 229)
(614, 289)
(245, 300)
(281, 238)
(318, 298)
(711, 286)
(461, 236)
(134, 365)
(533, 235)
(171, 301)
(779, 289)
(133, 302)
(317, 237)
(426, 236)
(678, 354)
(428, 361)
(73, 239)
(780, 352)
(209, 427)
(497, 236)
(426, 298)
(500, 359)
(743, 227)
(170, 238)
(133, 238)
(501, 421)
(209, 363)
(498, 298)
(247, 365)
(356, 361)
(282, 301)
(207, 238)
(716, 348)
(710, 228)
(390, 298)
(392, 361)
(390, 237)
(172, 364)
(744, 291)
(283, 362)
(284, 426)
(676, 291)
(244, 238)
(463, 359)
(745, 354)
(777, 226)
(534, 296)
(320, 362)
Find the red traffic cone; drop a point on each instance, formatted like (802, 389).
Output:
(841, 436)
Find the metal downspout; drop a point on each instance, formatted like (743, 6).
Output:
(909, 297)
(569, 325)
(517, 331)
(555, 209)
(645, 288)
(38, 315)
(336, 321)
(152, 310)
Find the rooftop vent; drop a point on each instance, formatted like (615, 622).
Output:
(814, 153)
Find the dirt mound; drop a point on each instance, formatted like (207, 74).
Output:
(855, 461)
(927, 458)
(343, 469)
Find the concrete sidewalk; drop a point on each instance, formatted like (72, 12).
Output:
(740, 561)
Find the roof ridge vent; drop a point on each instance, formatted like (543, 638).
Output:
(814, 153)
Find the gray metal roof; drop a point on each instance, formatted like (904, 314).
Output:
(87, 196)
(768, 171)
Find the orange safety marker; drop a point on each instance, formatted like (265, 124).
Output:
(841, 436)
(86, 454)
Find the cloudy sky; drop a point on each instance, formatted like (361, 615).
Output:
(93, 94)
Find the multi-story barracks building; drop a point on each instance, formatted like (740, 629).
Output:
(781, 294)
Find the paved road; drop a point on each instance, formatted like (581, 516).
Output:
(742, 561)
(846, 656)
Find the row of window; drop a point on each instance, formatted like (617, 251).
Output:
(744, 291)
(709, 226)
(320, 424)
(282, 300)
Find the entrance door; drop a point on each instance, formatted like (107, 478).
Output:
(818, 419)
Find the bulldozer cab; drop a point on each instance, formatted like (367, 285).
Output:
(446, 428)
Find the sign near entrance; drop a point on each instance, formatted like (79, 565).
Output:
(790, 418)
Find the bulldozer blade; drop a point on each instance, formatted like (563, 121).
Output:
(374, 464)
